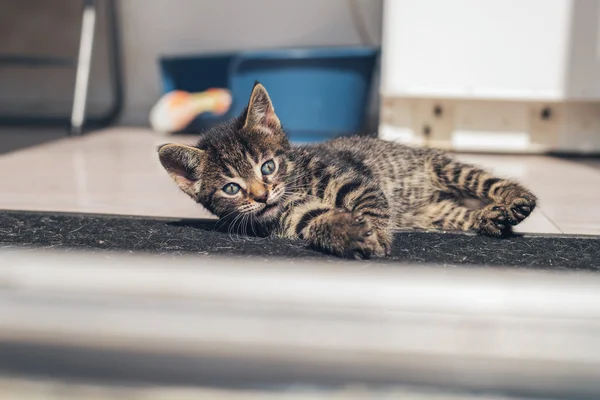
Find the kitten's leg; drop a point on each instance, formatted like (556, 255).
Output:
(355, 227)
(491, 220)
(471, 181)
(370, 206)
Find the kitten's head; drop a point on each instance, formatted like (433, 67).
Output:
(238, 167)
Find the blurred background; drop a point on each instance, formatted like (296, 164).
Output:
(149, 31)
(90, 88)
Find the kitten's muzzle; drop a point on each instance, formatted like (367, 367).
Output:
(258, 192)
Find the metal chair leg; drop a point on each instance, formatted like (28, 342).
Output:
(84, 64)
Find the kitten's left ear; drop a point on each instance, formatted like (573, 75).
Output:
(182, 163)
(260, 110)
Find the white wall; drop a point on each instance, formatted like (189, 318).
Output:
(151, 28)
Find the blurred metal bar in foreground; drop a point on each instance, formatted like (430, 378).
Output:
(239, 322)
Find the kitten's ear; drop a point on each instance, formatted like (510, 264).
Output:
(182, 163)
(260, 110)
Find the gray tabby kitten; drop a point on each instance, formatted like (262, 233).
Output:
(343, 197)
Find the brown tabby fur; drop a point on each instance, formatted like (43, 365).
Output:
(343, 197)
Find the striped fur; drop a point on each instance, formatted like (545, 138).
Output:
(343, 197)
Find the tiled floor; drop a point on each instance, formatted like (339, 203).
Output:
(117, 171)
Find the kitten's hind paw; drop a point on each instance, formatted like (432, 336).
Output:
(494, 221)
(520, 208)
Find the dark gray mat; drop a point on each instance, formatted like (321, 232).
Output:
(174, 237)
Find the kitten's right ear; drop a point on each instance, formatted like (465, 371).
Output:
(182, 163)
(260, 112)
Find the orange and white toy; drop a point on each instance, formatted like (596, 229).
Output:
(176, 109)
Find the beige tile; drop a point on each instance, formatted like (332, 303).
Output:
(537, 222)
(113, 171)
(580, 229)
(573, 210)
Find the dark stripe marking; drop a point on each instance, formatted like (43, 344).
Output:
(368, 198)
(498, 188)
(440, 221)
(322, 185)
(469, 178)
(362, 206)
(344, 191)
(375, 215)
(456, 173)
(487, 185)
(308, 217)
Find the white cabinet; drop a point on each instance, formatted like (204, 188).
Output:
(493, 75)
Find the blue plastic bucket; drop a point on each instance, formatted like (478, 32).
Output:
(318, 93)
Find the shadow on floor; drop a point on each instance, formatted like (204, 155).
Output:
(13, 139)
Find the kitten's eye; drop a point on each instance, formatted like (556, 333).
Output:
(268, 167)
(231, 188)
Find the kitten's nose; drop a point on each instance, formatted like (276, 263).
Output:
(259, 192)
(262, 197)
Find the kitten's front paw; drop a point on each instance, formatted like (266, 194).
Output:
(494, 220)
(354, 236)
